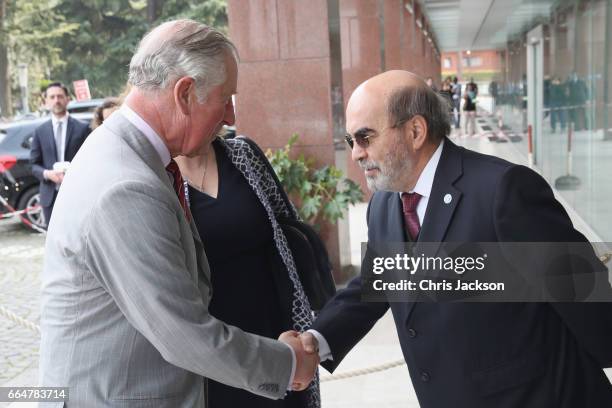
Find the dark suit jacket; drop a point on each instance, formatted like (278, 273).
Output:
(484, 354)
(44, 153)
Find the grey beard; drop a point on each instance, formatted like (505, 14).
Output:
(380, 183)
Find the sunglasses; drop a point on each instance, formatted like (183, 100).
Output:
(362, 139)
(362, 136)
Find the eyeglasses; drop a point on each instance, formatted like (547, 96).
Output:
(362, 139)
(363, 135)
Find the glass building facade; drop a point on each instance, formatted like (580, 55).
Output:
(556, 84)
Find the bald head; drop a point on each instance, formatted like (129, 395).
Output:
(379, 88)
(395, 97)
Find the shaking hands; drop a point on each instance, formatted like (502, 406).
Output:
(307, 357)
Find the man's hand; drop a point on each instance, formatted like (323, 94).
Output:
(306, 363)
(55, 176)
(309, 343)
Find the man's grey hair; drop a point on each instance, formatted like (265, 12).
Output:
(407, 102)
(186, 48)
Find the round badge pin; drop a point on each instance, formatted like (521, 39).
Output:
(448, 198)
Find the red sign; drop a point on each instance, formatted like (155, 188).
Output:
(81, 90)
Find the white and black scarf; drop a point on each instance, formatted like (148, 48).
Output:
(256, 172)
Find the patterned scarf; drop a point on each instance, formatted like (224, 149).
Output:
(255, 171)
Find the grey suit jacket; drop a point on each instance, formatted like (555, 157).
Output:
(126, 288)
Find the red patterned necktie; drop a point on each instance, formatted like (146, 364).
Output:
(179, 186)
(411, 219)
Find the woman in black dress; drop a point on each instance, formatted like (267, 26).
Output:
(252, 287)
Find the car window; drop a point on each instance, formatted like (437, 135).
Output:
(27, 141)
(17, 135)
(2, 135)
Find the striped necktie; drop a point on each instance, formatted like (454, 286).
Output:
(410, 201)
(179, 186)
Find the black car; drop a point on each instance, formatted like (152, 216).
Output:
(18, 186)
(89, 105)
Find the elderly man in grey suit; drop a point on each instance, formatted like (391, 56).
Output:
(126, 285)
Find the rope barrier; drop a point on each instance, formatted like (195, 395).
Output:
(13, 212)
(363, 371)
(19, 320)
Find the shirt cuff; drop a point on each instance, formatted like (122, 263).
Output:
(293, 363)
(324, 350)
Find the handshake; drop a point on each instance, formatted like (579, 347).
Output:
(306, 350)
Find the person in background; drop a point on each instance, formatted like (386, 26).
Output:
(447, 93)
(546, 96)
(558, 104)
(577, 97)
(54, 145)
(494, 93)
(456, 88)
(469, 107)
(474, 87)
(430, 83)
(104, 110)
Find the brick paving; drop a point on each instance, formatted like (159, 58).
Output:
(21, 257)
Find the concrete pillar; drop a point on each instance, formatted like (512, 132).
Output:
(301, 60)
(285, 79)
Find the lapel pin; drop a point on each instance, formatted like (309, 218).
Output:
(448, 198)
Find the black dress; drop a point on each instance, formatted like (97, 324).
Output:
(238, 240)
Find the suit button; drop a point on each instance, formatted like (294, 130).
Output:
(412, 333)
(425, 376)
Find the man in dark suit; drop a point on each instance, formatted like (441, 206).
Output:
(54, 145)
(429, 190)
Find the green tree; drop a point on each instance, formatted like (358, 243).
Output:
(28, 34)
(100, 51)
(67, 40)
(209, 12)
(6, 108)
(109, 33)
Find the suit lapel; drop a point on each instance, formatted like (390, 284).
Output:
(397, 228)
(440, 210)
(444, 196)
(69, 129)
(141, 145)
(51, 139)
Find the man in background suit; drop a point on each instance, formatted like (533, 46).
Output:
(456, 88)
(55, 141)
(126, 285)
(472, 355)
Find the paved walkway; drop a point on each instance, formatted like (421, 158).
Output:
(21, 254)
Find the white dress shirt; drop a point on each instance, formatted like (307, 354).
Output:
(149, 132)
(422, 187)
(164, 155)
(424, 184)
(61, 154)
